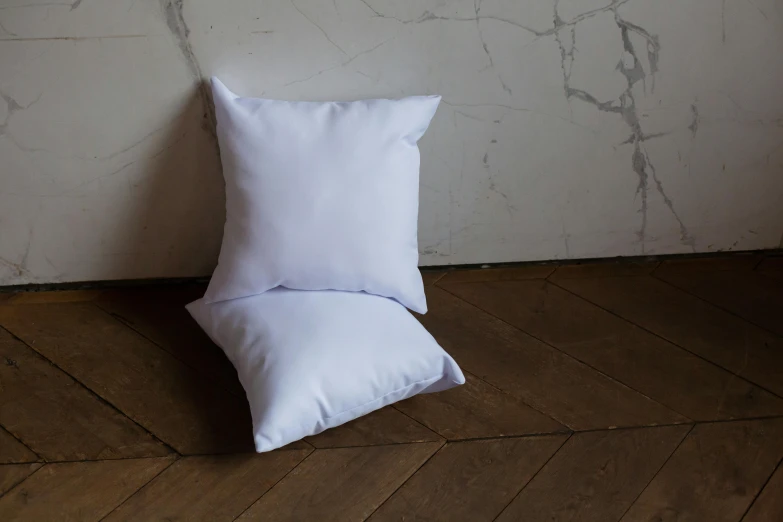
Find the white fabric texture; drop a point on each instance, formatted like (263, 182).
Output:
(310, 361)
(320, 196)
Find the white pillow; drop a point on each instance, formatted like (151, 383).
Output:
(310, 361)
(320, 196)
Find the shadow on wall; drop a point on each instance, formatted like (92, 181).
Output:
(178, 207)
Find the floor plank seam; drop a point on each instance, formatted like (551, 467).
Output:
(274, 485)
(380, 505)
(173, 461)
(521, 489)
(394, 406)
(645, 427)
(761, 489)
(570, 357)
(525, 436)
(550, 277)
(718, 306)
(113, 459)
(387, 444)
(663, 465)
(124, 322)
(43, 465)
(20, 441)
(444, 274)
(95, 394)
(712, 363)
(504, 392)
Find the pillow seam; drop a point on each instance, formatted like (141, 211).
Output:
(433, 379)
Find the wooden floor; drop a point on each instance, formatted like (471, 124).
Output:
(599, 392)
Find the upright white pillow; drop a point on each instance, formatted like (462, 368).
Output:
(320, 196)
(314, 360)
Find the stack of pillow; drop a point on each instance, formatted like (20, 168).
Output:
(319, 261)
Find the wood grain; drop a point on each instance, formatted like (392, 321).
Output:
(750, 295)
(58, 418)
(477, 410)
(343, 484)
(11, 450)
(768, 507)
(147, 384)
(691, 323)
(595, 476)
(658, 369)
(471, 481)
(714, 475)
(159, 314)
(83, 491)
(548, 380)
(384, 426)
(498, 274)
(210, 488)
(13, 474)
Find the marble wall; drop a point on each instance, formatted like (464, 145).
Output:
(568, 129)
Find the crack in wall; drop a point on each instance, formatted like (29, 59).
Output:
(342, 64)
(429, 16)
(12, 107)
(72, 6)
(694, 126)
(626, 108)
(175, 21)
(477, 9)
(321, 29)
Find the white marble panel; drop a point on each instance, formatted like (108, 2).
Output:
(568, 128)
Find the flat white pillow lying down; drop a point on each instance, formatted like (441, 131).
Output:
(312, 360)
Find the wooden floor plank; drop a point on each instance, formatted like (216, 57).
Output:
(147, 384)
(11, 450)
(159, 315)
(209, 488)
(643, 361)
(83, 491)
(690, 322)
(430, 277)
(548, 380)
(342, 484)
(471, 481)
(740, 262)
(751, 295)
(595, 476)
(477, 410)
(714, 474)
(771, 263)
(618, 269)
(499, 274)
(768, 507)
(58, 418)
(772, 267)
(777, 275)
(57, 296)
(384, 426)
(13, 474)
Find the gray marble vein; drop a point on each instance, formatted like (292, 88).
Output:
(567, 128)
